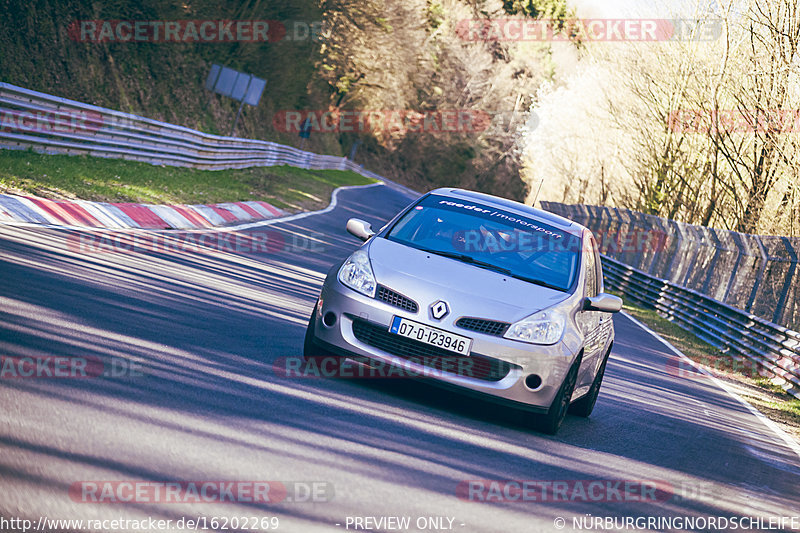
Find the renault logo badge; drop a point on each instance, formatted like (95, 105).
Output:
(439, 310)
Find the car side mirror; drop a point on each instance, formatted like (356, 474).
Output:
(360, 228)
(603, 302)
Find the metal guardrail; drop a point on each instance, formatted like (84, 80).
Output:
(50, 124)
(756, 273)
(752, 341)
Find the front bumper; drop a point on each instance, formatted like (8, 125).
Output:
(354, 312)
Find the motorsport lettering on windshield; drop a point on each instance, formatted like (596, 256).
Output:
(492, 239)
(499, 215)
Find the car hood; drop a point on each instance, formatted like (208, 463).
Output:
(469, 290)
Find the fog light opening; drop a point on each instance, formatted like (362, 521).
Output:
(329, 319)
(533, 382)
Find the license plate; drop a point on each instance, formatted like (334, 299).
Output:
(433, 336)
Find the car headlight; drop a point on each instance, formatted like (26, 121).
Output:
(357, 274)
(544, 327)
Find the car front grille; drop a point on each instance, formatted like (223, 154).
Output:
(474, 366)
(396, 299)
(488, 327)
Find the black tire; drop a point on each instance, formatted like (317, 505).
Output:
(585, 405)
(310, 349)
(551, 422)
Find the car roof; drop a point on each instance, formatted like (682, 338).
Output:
(562, 223)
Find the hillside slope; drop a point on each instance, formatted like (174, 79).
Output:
(392, 55)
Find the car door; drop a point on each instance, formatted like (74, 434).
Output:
(590, 321)
(605, 322)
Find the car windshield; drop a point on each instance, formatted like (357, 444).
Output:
(491, 238)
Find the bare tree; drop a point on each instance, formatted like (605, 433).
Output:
(706, 130)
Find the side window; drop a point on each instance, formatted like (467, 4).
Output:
(598, 267)
(591, 269)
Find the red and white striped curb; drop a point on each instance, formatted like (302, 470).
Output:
(34, 210)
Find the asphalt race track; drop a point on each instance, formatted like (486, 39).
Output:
(187, 344)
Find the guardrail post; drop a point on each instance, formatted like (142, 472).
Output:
(741, 249)
(760, 275)
(695, 245)
(623, 223)
(787, 285)
(634, 251)
(663, 227)
(710, 270)
(602, 230)
(678, 253)
(584, 214)
(693, 275)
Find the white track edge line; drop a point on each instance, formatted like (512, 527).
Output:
(331, 206)
(788, 439)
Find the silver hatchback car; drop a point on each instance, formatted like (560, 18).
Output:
(475, 292)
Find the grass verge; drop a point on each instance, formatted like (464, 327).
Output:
(772, 401)
(117, 180)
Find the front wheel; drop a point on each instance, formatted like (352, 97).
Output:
(312, 352)
(585, 405)
(551, 422)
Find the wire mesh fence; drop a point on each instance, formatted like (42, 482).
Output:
(757, 274)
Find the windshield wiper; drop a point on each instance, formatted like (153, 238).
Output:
(471, 260)
(538, 282)
(502, 270)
